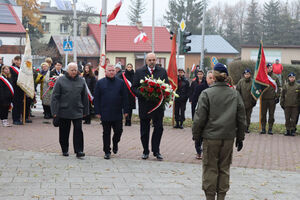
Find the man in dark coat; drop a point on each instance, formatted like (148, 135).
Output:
(19, 94)
(69, 103)
(145, 106)
(180, 102)
(110, 100)
(57, 70)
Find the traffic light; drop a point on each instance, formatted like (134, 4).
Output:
(184, 48)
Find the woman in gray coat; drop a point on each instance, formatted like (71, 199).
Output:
(69, 103)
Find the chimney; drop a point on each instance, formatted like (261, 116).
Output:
(83, 28)
(139, 26)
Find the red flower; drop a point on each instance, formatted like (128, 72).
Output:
(151, 90)
(167, 93)
(51, 84)
(158, 90)
(152, 84)
(142, 89)
(146, 81)
(163, 87)
(157, 85)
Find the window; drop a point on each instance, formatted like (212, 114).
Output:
(122, 60)
(64, 28)
(46, 27)
(161, 62)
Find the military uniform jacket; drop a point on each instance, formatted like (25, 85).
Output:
(220, 114)
(244, 88)
(290, 95)
(270, 92)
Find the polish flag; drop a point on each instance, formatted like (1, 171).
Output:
(114, 13)
(193, 68)
(141, 37)
(272, 83)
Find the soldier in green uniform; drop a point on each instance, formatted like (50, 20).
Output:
(219, 119)
(289, 102)
(270, 98)
(244, 88)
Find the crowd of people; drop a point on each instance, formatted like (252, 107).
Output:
(221, 111)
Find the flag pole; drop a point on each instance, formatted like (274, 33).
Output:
(260, 104)
(24, 108)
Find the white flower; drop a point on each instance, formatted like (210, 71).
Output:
(159, 81)
(167, 90)
(176, 95)
(141, 81)
(170, 103)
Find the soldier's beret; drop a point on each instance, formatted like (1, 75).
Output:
(221, 68)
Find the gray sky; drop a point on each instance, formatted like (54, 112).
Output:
(160, 8)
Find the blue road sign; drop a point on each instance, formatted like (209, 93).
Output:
(214, 60)
(68, 46)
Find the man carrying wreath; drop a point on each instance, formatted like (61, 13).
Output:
(145, 106)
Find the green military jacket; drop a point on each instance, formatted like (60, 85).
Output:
(244, 88)
(220, 114)
(270, 92)
(290, 95)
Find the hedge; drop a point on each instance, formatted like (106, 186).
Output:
(237, 68)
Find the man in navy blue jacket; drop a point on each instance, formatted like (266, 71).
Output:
(110, 99)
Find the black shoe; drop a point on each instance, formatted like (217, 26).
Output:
(115, 148)
(47, 117)
(107, 156)
(270, 131)
(129, 123)
(177, 125)
(80, 154)
(65, 154)
(288, 133)
(145, 156)
(28, 121)
(247, 130)
(181, 125)
(17, 123)
(87, 122)
(158, 156)
(293, 132)
(263, 131)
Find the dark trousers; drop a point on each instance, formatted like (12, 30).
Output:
(157, 120)
(180, 110)
(29, 102)
(4, 111)
(128, 118)
(17, 107)
(248, 116)
(117, 127)
(290, 114)
(64, 132)
(47, 110)
(198, 145)
(193, 109)
(267, 106)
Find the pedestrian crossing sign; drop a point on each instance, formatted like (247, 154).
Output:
(68, 46)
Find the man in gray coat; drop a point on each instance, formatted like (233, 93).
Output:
(69, 103)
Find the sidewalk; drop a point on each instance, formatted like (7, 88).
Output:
(28, 175)
(275, 152)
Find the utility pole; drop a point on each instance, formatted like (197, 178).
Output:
(203, 36)
(153, 24)
(74, 32)
(103, 25)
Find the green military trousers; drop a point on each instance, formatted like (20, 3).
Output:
(291, 114)
(248, 116)
(267, 105)
(217, 157)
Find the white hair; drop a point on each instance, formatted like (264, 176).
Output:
(72, 64)
(209, 72)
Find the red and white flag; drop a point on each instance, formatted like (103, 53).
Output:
(141, 37)
(114, 13)
(272, 83)
(193, 68)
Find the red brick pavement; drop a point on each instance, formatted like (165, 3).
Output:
(260, 151)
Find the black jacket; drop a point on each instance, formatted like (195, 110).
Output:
(110, 99)
(91, 82)
(183, 89)
(194, 83)
(131, 99)
(5, 93)
(54, 73)
(119, 74)
(146, 106)
(197, 91)
(18, 91)
(69, 99)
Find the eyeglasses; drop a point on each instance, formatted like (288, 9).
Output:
(151, 60)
